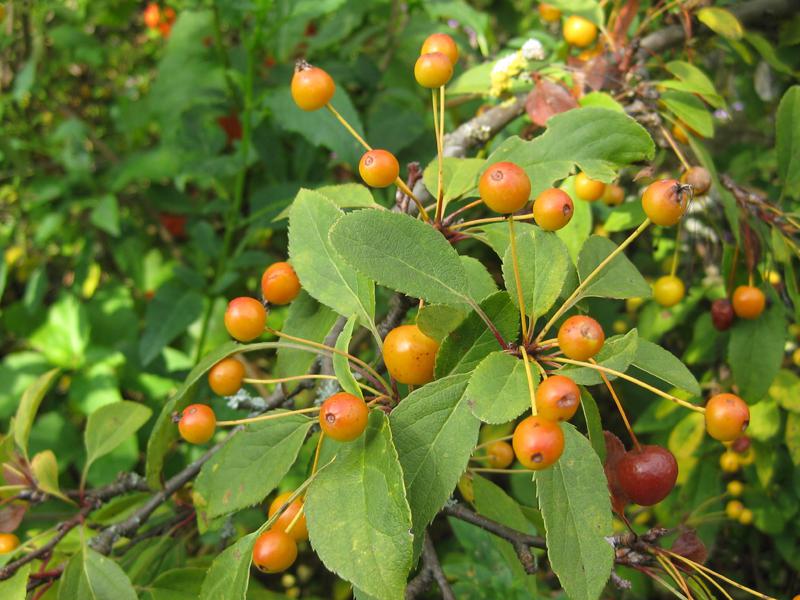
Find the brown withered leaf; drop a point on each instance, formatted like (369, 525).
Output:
(624, 19)
(595, 71)
(547, 99)
(752, 246)
(688, 545)
(11, 516)
(645, 173)
(615, 450)
(12, 476)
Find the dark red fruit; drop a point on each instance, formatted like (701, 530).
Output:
(722, 314)
(741, 444)
(648, 475)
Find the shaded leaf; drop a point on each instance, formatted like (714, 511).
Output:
(110, 425)
(498, 388)
(92, 576)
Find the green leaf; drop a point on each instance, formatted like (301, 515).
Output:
(403, 254)
(785, 390)
(787, 141)
(358, 517)
(596, 140)
(684, 441)
(658, 362)
(45, 470)
(164, 431)
(755, 351)
(471, 341)
(617, 353)
(765, 420)
(343, 195)
(498, 388)
(721, 21)
(594, 425)
(176, 584)
(341, 365)
(105, 214)
(169, 314)
(601, 100)
(64, 338)
(229, 575)
(543, 263)
(691, 110)
(792, 437)
(250, 466)
(434, 434)
(695, 81)
(28, 407)
(619, 279)
(308, 319)
(579, 228)
(110, 425)
(92, 576)
(15, 587)
(626, 216)
(576, 508)
(459, 176)
(321, 270)
(496, 235)
(437, 320)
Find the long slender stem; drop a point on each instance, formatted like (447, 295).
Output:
(674, 268)
(492, 327)
(490, 442)
(675, 148)
(317, 453)
(476, 222)
(347, 355)
(517, 282)
(268, 417)
(466, 207)
(305, 377)
(528, 375)
(590, 277)
(621, 410)
(440, 150)
(295, 519)
(700, 567)
(626, 377)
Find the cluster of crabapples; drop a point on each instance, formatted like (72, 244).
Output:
(647, 474)
(158, 19)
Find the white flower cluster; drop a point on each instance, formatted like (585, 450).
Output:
(512, 65)
(533, 50)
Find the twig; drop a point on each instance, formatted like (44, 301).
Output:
(431, 571)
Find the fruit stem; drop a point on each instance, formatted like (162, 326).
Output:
(673, 572)
(700, 567)
(399, 182)
(455, 213)
(317, 453)
(498, 336)
(373, 373)
(490, 442)
(526, 217)
(675, 148)
(295, 519)
(732, 276)
(621, 410)
(674, 268)
(573, 297)
(508, 471)
(528, 375)
(438, 215)
(639, 382)
(440, 165)
(268, 417)
(517, 282)
(308, 376)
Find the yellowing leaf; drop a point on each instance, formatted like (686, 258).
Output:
(721, 21)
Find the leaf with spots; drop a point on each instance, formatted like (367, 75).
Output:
(249, 466)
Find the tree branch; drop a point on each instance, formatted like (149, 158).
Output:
(431, 571)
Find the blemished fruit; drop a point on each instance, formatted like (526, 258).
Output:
(501, 454)
(441, 42)
(668, 290)
(663, 202)
(579, 31)
(741, 444)
(409, 355)
(197, 424)
(647, 475)
(727, 417)
(538, 442)
(729, 462)
(580, 337)
(8, 543)
(504, 187)
(300, 530)
(613, 195)
(733, 509)
(343, 417)
(274, 551)
(312, 87)
(433, 70)
(588, 189)
(279, 283)
(557, 398)
(553, 209)
(379, 168)
(735, 488)
(466, 488)
(699, 178)
(225, 377)
(748, 302)
(722, 314)
(245, 318)
(746, 518)
(549, 13)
